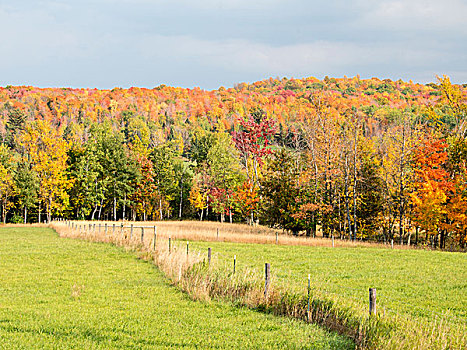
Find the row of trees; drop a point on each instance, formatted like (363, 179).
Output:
(406, 183)
(344, 167)
(116, 175)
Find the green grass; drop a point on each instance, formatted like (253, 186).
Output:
(414, 282)
(72, 294)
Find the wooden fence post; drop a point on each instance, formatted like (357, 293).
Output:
(308, 309)
(170, 248)
(209, 256)
(392, 243)
(105, 229)
(142, 235)
(187, 249)
(217, 233)
(372, 301)
(267, 278)
(333, 241)
(113, 230)
(131, 231)
(277, 237)
(235, 263)
(154, 242)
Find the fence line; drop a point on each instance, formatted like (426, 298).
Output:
(123, 236)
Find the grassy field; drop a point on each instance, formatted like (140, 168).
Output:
(415, 282)
(239, 233)
(421, 299)
(63, 293)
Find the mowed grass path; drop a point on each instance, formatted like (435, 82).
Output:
(416, 282)
(71, 294)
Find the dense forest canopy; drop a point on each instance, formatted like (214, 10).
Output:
(357, 158)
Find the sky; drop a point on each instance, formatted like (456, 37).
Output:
(206, 43)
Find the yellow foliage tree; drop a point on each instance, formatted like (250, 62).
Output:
(429, 205)
(47, 153)
(198, 200)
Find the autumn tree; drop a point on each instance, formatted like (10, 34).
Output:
(252, 141)
(198, 200)
(47, 153)
(245, 200)
(432, 185)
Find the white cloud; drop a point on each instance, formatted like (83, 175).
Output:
(323, 57)
(417, 15)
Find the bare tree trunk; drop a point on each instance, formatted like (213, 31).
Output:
(25, 214)
(94, 211)
(355, 186)
(49, 210)
(401, 186)
(124, 207)
(115, 208)
(346, 194)
(181, 199)
(246, 167)
(255, 168)
(339, 215)
(100, 210)
(160, 208)
(230, 208)
(315, 168)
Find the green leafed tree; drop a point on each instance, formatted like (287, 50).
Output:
(165, 178)
(27, 186)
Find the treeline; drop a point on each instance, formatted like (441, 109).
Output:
(361, 159)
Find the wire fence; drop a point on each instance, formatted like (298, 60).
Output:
(151, 237)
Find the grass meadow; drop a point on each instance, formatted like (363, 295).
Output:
(72, 294)
(421, 294)
(415, 282)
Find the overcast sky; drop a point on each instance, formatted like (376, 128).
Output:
(207, 43)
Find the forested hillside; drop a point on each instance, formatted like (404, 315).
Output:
(371, 159)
